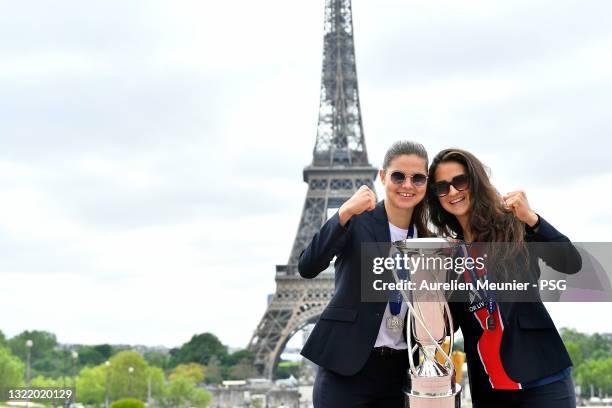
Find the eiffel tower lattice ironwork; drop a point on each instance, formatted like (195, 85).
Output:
(339, 167)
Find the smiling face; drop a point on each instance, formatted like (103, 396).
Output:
(455, 202)
(405, 195)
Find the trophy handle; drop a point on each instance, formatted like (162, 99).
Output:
(418, 318)
(451, 334)
(411, 348)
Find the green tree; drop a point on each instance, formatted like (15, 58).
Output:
(43, 342)
(200, 349)
(92, 381)
(11, 369)
(243, 370)
(123, 384)
(213, 371)
(47, 382)
(94, 355)
(156, 376)
(568, 334)
(45, 357)
(596, 372)
(193, 371)
(182, 392)
(592, 358)
(587, 347)
(288, 368)
(178, 392)
(91, 385)
(575, 353)
(54, 363)
(239, 356)
(128, 403)
(200, 397)
(159, 359)
(2, 339)
(600, 346)
(105, 350)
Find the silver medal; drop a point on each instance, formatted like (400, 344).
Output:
(394, 323)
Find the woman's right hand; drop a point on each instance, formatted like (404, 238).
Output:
(364, 199)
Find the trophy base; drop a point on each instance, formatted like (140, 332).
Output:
(448, 399)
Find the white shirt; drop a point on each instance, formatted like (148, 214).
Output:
(386, 337)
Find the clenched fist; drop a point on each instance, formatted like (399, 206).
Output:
(364, 199)
(516, 202)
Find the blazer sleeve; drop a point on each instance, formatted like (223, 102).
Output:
(326, 244)
(560, 254)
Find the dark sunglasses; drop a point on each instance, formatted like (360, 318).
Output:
(442, 188)
(417, 179)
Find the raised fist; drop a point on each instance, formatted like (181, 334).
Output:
(516, 202)
(364, 199)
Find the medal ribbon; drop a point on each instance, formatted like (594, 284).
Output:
(487, 297)
(395, 297)
(489, 344)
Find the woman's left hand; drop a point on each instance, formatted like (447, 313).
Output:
(516, 202)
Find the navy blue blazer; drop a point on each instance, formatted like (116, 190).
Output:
(531, 347)
(346, 332)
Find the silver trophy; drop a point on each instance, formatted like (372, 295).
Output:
(430, 322)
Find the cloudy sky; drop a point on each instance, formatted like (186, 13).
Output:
(151, 155)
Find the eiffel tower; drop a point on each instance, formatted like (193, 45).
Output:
(339, 167)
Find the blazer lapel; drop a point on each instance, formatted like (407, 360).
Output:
(382, 235)
(381, 224)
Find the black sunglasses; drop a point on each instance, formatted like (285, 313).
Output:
(442, 188)
(417, 179)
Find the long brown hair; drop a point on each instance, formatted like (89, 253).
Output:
(408, 147)
(489, 219)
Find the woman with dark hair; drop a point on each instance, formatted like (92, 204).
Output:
(515, 355)
(361, 347)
